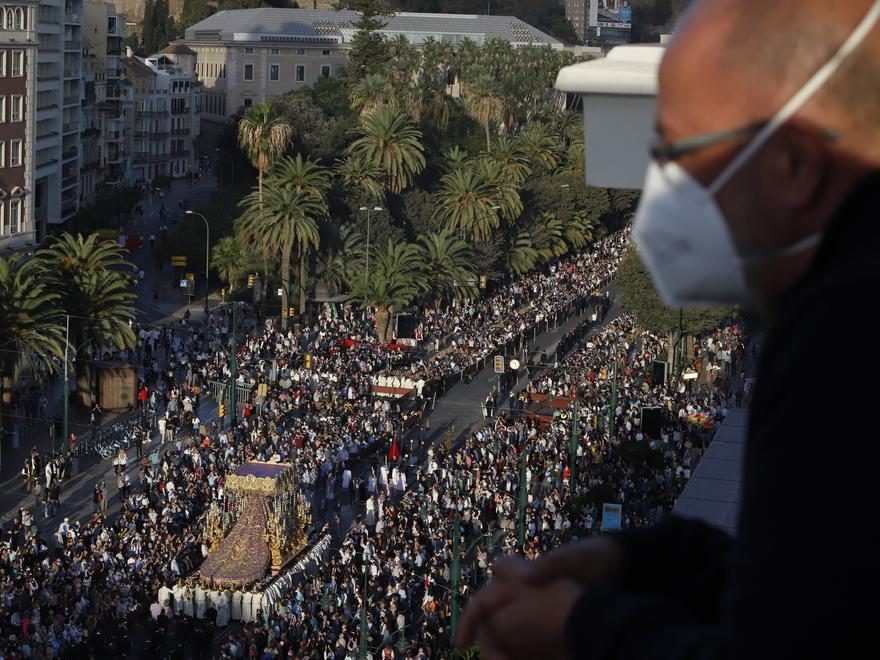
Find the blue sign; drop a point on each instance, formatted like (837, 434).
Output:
(625, 13)
(611, 516)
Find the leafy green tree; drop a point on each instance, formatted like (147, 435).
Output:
(548, 236)
(228, 259)
(193, 11)
(450, 262)
(31, 328)
(396, 278)
(639, 296)
(369, 49)
(417, 210)
(372, 92)
(388, 139)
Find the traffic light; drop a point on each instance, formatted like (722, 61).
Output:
(482, 281)
(499, 364)
(250, 281)
(222, 411)
(308, 360)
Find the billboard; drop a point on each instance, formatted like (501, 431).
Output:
(611, 14)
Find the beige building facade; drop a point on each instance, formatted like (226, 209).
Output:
(249, 56)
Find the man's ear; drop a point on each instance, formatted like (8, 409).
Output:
(794, 166)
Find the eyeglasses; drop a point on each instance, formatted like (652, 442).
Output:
(663, 151)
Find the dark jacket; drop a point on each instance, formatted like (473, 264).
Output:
(801, 579)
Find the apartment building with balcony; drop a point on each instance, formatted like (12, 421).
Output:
(166, 102)
(58, 107)
(105, 130)
(18, 52)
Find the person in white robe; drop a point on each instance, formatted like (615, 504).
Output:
(237, 598)
(201, 600)
(165, 595)
(188, 603)
(177, 592)
(247, 607)
(221, 604)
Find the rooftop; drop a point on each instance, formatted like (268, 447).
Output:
(178, 49)
(336, 27)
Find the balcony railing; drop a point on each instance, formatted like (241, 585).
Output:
(71, 18)
(149, 158)
(69, 181)
(72, 45)
(70, 127)
(71, 100)
(184, 153)
(180, 131)
(151, 113)
(69, 154)
(72, 73)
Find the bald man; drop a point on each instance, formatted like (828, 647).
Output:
(764, 191)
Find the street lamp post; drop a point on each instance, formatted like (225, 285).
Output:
(66, 392)
(207, 254)
(367, 262)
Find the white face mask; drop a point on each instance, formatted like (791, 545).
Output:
(681, 232)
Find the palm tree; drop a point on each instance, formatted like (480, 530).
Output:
(512, 160)
(90, 277)
(264, 136)
(357, 173)
(505, 194)
(580, 230)
(548, 236)
(228, 260)
(449, 262)
(483, 102)
(397, 277)
(389, 140)
(538, 143)
(371, 93)
(286, 221)
(436, 103)
(520, 256)
(30, 324)
(466, 203)
(454, 158)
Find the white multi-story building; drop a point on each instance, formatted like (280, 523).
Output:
(166, 107)
(248, 56)
(57, 141)
(106, 110)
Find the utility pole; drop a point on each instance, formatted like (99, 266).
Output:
(573, 445)
(362, 651)
(233, 367)
(612, 412)
(66, 388)
(456, 573)
(523, 495)
(680, 347)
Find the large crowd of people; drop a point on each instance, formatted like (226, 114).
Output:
(78, 594)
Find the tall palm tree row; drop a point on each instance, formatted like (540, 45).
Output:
(389, 140)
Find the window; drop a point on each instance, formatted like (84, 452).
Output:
(3, 230)
(247, 102)
(274, 71)
(248, 71)
(16, 110)
(14, 216)
(276, 51)
(300, 51)
(2, 63)
(248, 51)
(2, 154)
(15, 154)
(325, 52)
(300, 73)
(2, 109)
(17, 63)
(325, 71)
